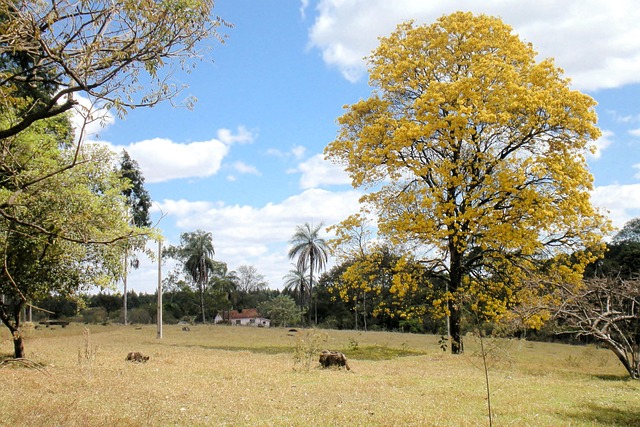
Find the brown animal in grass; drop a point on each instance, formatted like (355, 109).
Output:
(136, 356)
(333, 358)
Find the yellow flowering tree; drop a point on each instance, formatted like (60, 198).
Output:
(475, 154)
(377, 278)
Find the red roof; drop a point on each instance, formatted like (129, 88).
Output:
(247, 313)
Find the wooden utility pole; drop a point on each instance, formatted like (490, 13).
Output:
(124, 281)
(159, 316)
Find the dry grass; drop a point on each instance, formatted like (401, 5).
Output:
(235, 376)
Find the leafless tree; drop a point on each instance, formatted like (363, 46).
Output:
(607, 309)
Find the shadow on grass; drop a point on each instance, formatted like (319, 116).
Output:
(606, 416)
(360, 353)
(612, 377)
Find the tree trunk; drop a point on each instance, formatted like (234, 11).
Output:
(364, 310)
(310, 284)
(456, 334)
(632, 368)
(202, 302)
(455, 281)
(14, 328)
(18, 345)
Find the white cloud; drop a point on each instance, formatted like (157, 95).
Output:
(318, 172)
(242, 136)
(163, 160)
(596, 43)
(602, 143)
(634, 132)
(258, 236)
(89, 119)
(297, 152)
(621, 201)
(304, 4)
(242, 167)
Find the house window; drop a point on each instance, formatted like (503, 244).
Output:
(253, 321)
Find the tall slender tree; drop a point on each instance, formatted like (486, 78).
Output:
(311, 251)
(195, 253)
(295, 281)
(139, 203)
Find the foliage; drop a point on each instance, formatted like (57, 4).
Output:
(137, 196)
(119, 54)
(630, 233)
(61, 215)
(311, 251)
(281, 311)
(296, 281)
(475, 155)
(194, 253)
(384, 284)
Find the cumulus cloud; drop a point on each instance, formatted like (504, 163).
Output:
(621, 201)
(596, 43)
(161, 159)
(248, 235)
(243, 168)
(297, 152)
(318, 172)
(242, 136)
(634, 132)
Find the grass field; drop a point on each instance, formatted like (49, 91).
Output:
(242, 376)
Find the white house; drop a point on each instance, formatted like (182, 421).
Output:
(246, 317)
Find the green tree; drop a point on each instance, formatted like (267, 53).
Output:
(224, 285)
(61, 209)
(119, 54)
(139, 203)
(138, 198)
(629, 233)
(61, 217)
(295, 283)
(195, 252)
(281, 310)
(311, 251)
(475, 155)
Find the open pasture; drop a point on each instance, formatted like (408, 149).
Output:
(237, 376)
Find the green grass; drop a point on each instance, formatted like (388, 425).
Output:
(236, 376)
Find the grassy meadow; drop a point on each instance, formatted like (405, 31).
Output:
(237, 376)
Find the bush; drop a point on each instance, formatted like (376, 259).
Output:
(94, 315)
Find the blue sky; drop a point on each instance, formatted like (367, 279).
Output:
(246, 163)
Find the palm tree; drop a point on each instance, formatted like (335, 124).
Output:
(295, 281)
(311, 251)
(195, 252)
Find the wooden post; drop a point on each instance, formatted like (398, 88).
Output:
(159, 316)
(124, 281)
